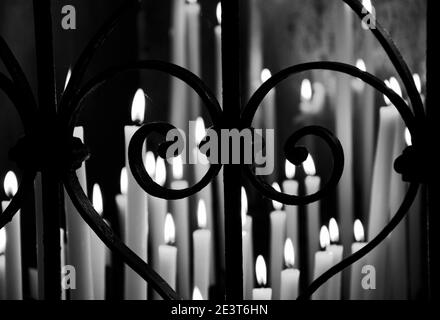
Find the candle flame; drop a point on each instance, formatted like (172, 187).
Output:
(387, 101)
(2, 240)
(265, 75)
(394, 85)
(360, 64)
(277, 205)
(289, 253)
(244, 206)
(161, 172)
(290, 169)
(150, 164)
(10, 184)
(261, 271)
(201, 215)
(306, 90)
(138, 107)
(324, 237)
(124, 181)
(97, 199)
(218, 12)
(408, 137)
(197, 295)
(309, 166)
(333, 230)
(358, 229)
(68, 76)
(178, 167)
(200, 130)
(367, 5)
(418, 82)
(169, 229)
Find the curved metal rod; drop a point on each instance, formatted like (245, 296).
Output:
(106, 234)
(401, 213)
(24, 188)
(88, 53)
(396, 59)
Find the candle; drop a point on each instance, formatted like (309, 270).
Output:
(323, 262)
(248, 249)
(356, 290)
(269, 103)
(180, 210)
(168, 253)
(62, 260)
(290, 186)
(289, 276)
(277, 237)
(121, 203)
(136, 224)
(2, 263)
(312, 185)
(261, 274)
(218, 51)
(13, 245)
(336, 250)
(202, 251)
(98, 249)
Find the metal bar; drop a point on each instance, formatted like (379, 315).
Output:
(232, 173)
(51, 185)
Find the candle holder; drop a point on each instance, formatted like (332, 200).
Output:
(59, 154)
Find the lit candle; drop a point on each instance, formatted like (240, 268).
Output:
(356, 290)
(246, 220)
(168, 253)
(121, 203)
(277, 237)
(358, 84)
(78, 240)
(290, 186)
(323, 262)
(337, 251)
(289, 276)
(136, 224)
(312, 185)
(218, 45)
(261, 293)
(2, 263)
(13, 245)
(180, 210)
(202, 251)
(98, 249)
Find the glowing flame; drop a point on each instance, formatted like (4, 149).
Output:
(138, 107)
(178, 167)
(309, 166)
(69, 74)
(97, 199)
(277, 205)
(265, 75)
(261, 271)
(10, 184)
(324, 237)
(367, 5)
(197, 295)
(306, 90)
(218, 13)
(150, 164)
(408, 137)
(418, 82)
(333, 230)
(169, 229)
(394, 85)
(2, 240)
(161, 172)
(244, 206)
(358, 229)
(200, 130)
(124, 181)
(360, 64)
(201, 215)
(290, 169)
(289, 253)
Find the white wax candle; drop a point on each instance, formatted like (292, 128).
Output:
(261, 274)
(277, 238)
(121, 203)
(202, 252)
(269, 103)
(13, 276)
(337, 251)
(2, 263)
(218, 53)
(289, 276)
(78, 240)
(136, 225)
(98, 250)
(168, 254)
(323, 262)
(62, 260)
(248, 248)
(356, 290)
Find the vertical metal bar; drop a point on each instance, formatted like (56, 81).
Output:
(232, 173)
(51, 186)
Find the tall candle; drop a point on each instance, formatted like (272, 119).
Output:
(202, 252)
(168, 253)
(136, 224)
(218, 52)
(62, 259)
(337, 251)
(121, 203)
(356, 290)
(289, 276)
(14, 290)
(312, 185)
(78, 240)
(323, 262)
(277, 238)
(261, 293)
(180, 210)
(98, 249)
(248, 248)
(290, 186)
(2, 263)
